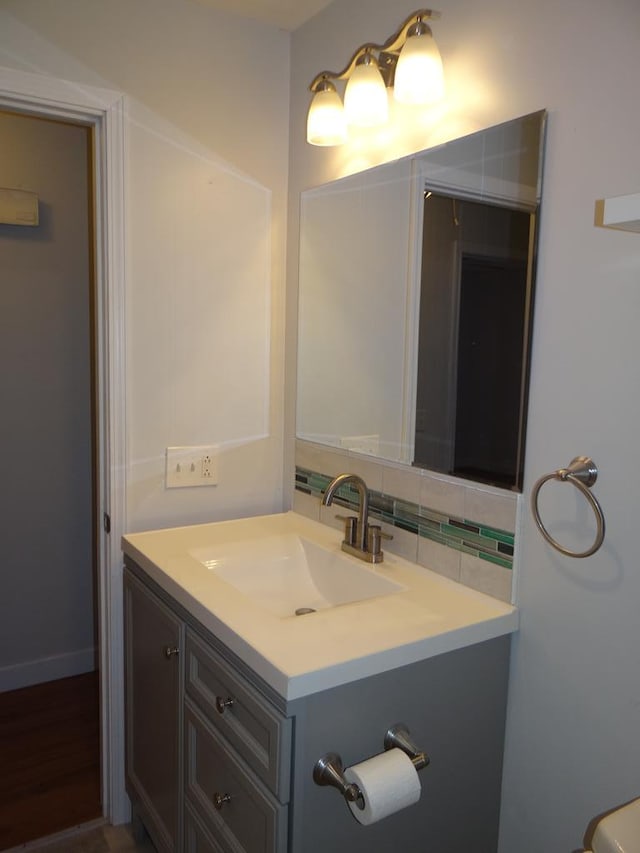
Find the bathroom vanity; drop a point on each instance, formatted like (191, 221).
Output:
(231, 698)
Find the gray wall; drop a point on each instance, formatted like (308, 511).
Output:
(46, 605)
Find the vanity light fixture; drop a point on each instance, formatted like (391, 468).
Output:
(365, 95)
(408, 62)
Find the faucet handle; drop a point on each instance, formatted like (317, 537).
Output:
(374, 536)
(350, 528)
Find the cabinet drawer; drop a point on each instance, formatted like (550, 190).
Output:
(250, 819)
(196, 837)
(252, 727)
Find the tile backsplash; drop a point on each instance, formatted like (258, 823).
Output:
(458, 529)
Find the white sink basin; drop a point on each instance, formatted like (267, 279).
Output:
(289, 575)
(244, 579)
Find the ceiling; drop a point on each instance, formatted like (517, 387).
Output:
(287, 14)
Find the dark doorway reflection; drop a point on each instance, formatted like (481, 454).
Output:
(474, 308)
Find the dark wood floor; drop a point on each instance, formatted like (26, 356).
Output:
(49, 758)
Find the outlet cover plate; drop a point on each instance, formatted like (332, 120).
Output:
(191, 466)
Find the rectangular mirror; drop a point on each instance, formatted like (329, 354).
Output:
(415, 305)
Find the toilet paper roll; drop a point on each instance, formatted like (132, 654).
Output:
(388, 782)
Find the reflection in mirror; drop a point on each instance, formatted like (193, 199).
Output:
(416, 284)
(473, 306)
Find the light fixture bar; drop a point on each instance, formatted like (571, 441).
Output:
(391, 45)
(408, 62)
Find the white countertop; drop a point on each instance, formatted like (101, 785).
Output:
(300, 655)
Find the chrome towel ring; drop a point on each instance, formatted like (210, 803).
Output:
(582, 473)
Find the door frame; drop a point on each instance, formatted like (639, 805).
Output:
(104, 111)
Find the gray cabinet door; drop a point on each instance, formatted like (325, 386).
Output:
(153, 676)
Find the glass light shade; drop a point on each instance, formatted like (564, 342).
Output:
(326, 122)
(365, 98)
(419, 78)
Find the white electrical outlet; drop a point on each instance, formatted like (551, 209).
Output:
(191, 466)
(207, 467)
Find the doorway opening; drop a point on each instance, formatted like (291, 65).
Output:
(49, 701)
(103, 111)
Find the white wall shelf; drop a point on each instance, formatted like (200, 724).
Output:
(621, 212)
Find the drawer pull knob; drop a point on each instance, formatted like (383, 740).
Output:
(223, 704)
(170, 651)
(220, 799)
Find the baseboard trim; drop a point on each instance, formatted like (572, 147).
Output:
(38, 671)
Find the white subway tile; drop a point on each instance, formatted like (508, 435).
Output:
(439, 558)
(404, 543)
(443, 496)
(404, 484)
(328, 516)
(491, 508)
(486, 577)
(307, 505)
(323, 460)
(369, 469)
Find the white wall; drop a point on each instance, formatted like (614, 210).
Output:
(572, 744)
(206, 192)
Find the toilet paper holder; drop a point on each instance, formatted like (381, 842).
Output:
(329, 770)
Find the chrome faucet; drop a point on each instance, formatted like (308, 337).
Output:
(361, 539)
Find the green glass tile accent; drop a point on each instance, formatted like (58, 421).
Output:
(466, 549)
(498, 535)
(455, 532)
(389, 517)
(407, 513)
(317, 482)
(409, 526)
(434, 536)
(505, 563)
(381, 503)
(434, 515)
(405, 509)
(347, 494)
(426, 524)
(421, 520)
(465, 526)
(471, 538)
(459, 546)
